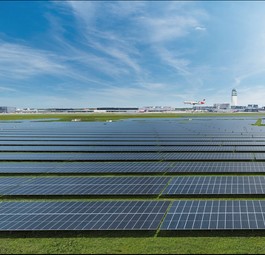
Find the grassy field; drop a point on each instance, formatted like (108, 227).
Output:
(116, 116)
(258, 123)
(248, 243)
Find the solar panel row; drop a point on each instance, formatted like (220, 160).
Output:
(84, 167)
(216, 185)
(133, 215)
(130, 156)
(98, 144)
(114, 215)
(132, 148)
(207, 185)
(176, 146)
(121, 148)
(215, 214)
(83, 186)
(124, 167)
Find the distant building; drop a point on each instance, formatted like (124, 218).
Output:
(234, 98)
(238, 108)
(203, 108)
(252, 108)
(116, 109)
(156, 109)
(64, 110)
(222, 106)
(7, 109)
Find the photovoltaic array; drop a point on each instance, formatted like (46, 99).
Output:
(86, 186)
(109, 165)
(217, 185)
(109, 215)
(85, 167)
(215, 214)
(123, 167)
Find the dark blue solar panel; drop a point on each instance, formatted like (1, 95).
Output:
(79, 148)
(111, 215)
(260, 156)
(208, 156)
(215, 215)
(91, 186)
(216, 185)
(197, 148)
(250, 148)
(13, 180)
(84, 167)
(79, 156)
(217, 167)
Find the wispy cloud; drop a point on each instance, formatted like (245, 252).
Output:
(113, 53)
(20, 62)
(129, 50)
(167, 28)
(147, 26)
(8, 89)
(154, 86)
(84, 10)
(198, 28)
(121, 55)
(171, 23)
(173, 60)
(127, 8)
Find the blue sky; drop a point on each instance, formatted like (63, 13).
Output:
(92, 54)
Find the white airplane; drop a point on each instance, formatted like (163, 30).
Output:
(195, 102)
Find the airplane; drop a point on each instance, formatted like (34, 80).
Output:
(195, 102)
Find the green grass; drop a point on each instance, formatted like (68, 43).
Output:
(115, 116)
(258, 123)
(252, 244)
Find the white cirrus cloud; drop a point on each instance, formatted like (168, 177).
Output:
(198, 28)
(19, 61)
(162, 29)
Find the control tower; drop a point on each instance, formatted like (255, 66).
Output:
(234, 98)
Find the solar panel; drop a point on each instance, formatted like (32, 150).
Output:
(109, 215)
(208, 156)
(90, 186)
(27, 167)
(79, 148)
(217, 167)
(98, 180)
(197, 148)
(216, 185)
(215, 215)
(84, 167)
(13, 180)
(7, 184)
(250, 148)
(259, 156)
(183, 148)
(189, 143)
(79, 156)
(240, 143)
(156, 141)
(113, 167)
(78, 141)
